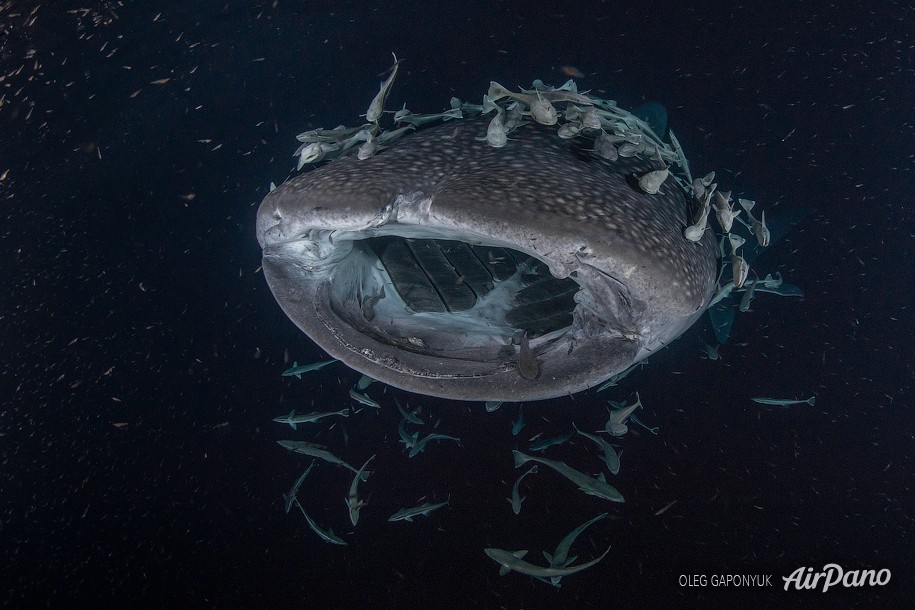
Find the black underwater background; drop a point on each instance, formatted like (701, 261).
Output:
(141, 350)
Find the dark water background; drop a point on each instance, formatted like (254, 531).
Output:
(123, 300)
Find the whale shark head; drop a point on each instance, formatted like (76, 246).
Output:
(447, 267)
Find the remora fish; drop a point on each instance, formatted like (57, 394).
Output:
(591, 486)
(407, 514)
(293, 420)
(353, 503)
(419, 445)
(377, 105)
(540, 445)
(561, 556)
(624, 280)
(317, 451)
(406, 438)
(516, 498)
(363, 399)
(364, 382)
(514, 562)
(289, 498)
(611, 457)
(518, 424)
(784, 402)
(298, 369)
(409, 416)
(327, 535)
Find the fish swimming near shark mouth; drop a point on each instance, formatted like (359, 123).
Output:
(447, 267)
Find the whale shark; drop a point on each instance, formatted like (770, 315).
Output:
(447, 267)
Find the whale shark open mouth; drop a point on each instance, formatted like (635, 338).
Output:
(447, 267)
(461, 290)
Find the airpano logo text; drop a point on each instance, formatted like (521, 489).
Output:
(833, 575)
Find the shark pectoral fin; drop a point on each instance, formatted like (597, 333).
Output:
(602, 478)
(292, 425)
(410, 519)
(504, 570)
(548, 557)
(570, 560)
(555, 580)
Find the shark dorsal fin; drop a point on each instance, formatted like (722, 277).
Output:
(602, 478)
(519, 554)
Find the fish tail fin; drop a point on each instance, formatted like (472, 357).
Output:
(812, 400)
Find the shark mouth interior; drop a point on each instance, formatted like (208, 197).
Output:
(448, 298)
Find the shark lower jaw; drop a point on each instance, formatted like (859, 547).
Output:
(441, 312)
